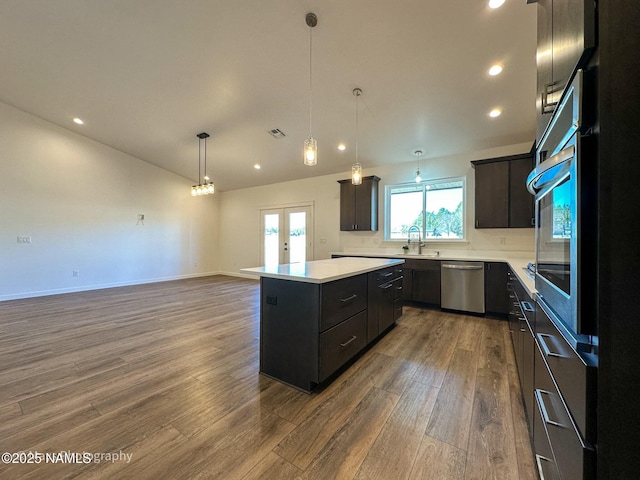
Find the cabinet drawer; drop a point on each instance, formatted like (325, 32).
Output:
(340, 343)
(545, 462)
(342, 299)
(575, 379)
(573, 457)
(386, 275)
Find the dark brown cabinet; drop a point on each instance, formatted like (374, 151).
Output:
(566, 36)
(385, 290)
(496, 299)
(308, 331)
(501, 196)
(421, 281)
(521, 324)
(359, 205)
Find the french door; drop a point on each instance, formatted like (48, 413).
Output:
(287, 235)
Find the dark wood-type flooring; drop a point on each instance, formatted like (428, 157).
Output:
(168, 374)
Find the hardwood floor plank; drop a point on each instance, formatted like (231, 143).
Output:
(438, 460)
(324, 415)
(451, 417)
(342, 456)
(406, 427)
(273, 467)
(491, 453)
(524, 453)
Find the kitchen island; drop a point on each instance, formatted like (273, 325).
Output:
(317, 316)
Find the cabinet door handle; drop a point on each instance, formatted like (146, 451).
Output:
(542, 338)
(543, 408)
(353, 337)
(546, 105)
(539, 460)
(348, 299)
(526, 306)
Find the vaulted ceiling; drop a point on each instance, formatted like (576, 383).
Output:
(146, 76)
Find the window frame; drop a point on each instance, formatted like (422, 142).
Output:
(424, 183)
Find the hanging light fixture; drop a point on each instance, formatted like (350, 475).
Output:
(310, 144)
(418, 153)
(206, 187)
(356, 168)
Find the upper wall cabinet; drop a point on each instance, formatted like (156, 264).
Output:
(359, 205)
(502, 199)
(566, 37)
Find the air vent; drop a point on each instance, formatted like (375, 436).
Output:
(276, 133)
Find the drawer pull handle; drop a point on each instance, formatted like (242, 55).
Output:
(386, 286)
(527, 307)
(387, 274)
(543, 407)
(539, 460)
(348, 299)
(545, 347)
(348, 341)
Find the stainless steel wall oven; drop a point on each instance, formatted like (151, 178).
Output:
(566, 227)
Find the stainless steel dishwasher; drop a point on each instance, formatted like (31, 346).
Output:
(462, 286)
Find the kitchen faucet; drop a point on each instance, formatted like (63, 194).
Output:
(420, 244)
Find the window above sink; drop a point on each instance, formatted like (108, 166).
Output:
(435, 207)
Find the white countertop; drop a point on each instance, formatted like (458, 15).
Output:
(517, 262)
(322, 271)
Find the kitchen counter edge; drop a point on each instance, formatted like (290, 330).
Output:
(323, 271)
(517, 264)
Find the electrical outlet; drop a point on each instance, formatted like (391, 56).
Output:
(76, 273)
(22, 239)
(503, 240)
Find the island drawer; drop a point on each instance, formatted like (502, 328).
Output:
(342, 299)
(340, 343)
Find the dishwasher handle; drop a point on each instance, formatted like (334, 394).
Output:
(462, 267)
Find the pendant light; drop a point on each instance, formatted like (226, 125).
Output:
(206, 187)
(356, 168)
(418, 153)
(310, 144)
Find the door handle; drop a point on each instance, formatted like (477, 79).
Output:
(536, 179)
(349, 298)
(542, 338)
(543, 408)
(353, 337)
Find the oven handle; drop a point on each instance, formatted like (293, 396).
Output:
(535, 180)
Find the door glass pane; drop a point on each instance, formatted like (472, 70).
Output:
(297, 237)
(271, 239)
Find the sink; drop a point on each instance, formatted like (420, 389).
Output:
(430, 254)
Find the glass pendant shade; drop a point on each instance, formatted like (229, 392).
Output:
(356, 174)
(206, 187)
(310, 151)
(418, 176)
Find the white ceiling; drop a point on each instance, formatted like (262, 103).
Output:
(146, 76)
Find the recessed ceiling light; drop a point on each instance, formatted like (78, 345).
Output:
(257, 166)
(342, 147)
(495, 70)
(495, 112)
(78, 121)
(495, 3)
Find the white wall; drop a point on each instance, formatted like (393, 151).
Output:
(78, 200)
(240, 222)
